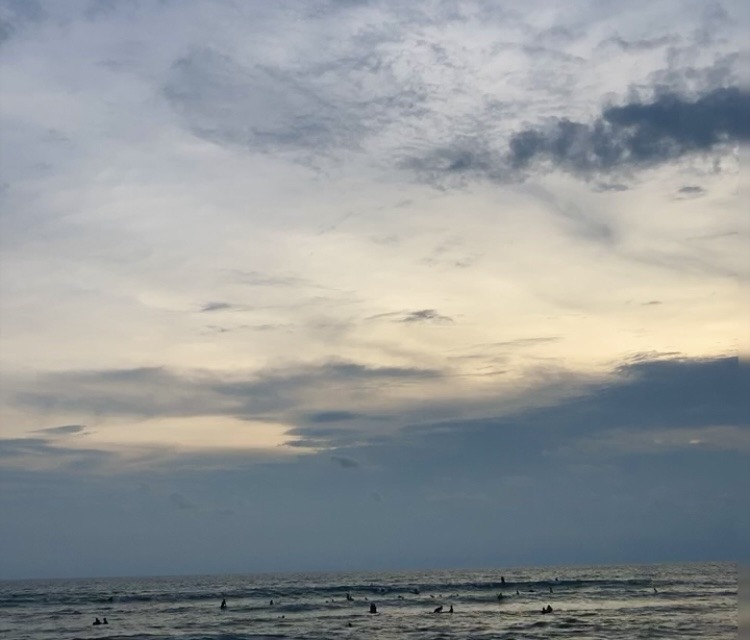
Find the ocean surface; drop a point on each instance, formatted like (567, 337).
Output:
(655, 601)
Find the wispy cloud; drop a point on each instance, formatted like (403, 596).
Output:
(216, 306)
(419, 315)
(323, 417)
(64, 430)
(691, 191)
(159, 391)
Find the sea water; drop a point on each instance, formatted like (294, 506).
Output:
(655, 601)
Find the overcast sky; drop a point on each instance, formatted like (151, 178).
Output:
(351, 284)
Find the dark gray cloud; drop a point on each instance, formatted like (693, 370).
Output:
(316, 437)
(647, 393)
(616, 186)
(64, 430)
(345, 463)
(638, 134)
(216, 306)
(634, 135)
(425, 315)
(691, 191)
(419, 315)
(332, 416)
(452, 165)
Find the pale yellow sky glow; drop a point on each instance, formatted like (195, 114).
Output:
(206, 432)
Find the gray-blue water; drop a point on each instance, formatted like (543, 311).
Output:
(659, 601)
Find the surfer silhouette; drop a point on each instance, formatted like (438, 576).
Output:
(223, 604)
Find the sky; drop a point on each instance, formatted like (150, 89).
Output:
(351, 284)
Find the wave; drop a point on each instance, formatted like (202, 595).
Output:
(468, 590)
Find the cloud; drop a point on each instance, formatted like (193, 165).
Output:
(258, 279)
(420, 315)
(180, 501)
(643, 44)
(425, 315)
(256, 107)
(332, 416)
(454, 164)
(64, 430)
(216, 306)
(653, 427)
(635, 135)
(345, 463)
(638, 134)
(163, 392)
(691, 191)
(525, 342)
(46, 454)
(616, 186)
(645, 394)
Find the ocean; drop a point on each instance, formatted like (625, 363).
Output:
(654, 601)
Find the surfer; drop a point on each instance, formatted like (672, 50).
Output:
(373, 608)
(223, 604)
(97, 621)
(502, 579)
(438, 609)
(451, 609)
(104, 621)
